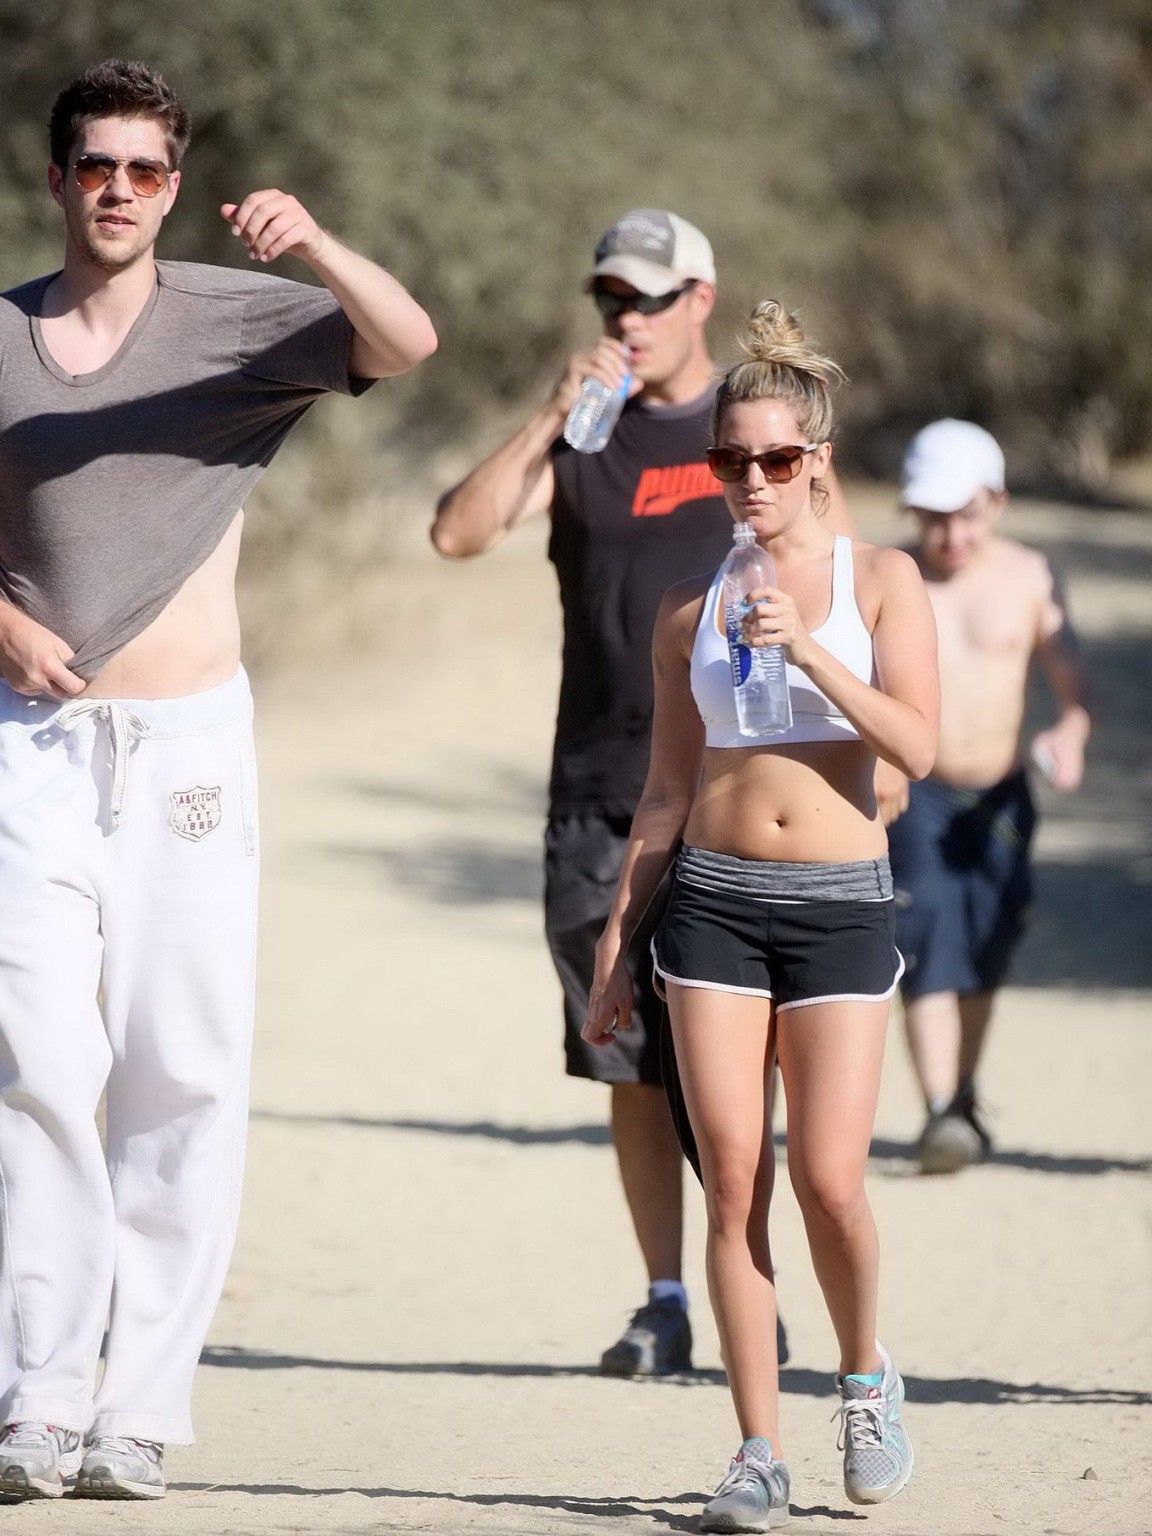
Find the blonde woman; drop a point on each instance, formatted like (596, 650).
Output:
(778, 939)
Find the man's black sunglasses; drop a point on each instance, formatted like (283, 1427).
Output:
(612, 305)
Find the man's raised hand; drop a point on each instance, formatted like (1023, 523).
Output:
(274, 223)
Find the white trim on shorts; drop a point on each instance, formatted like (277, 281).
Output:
(803, 1002)
(849, 997)
(711, 986)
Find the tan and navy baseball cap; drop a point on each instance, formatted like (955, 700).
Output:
(947, 463)
(655, 251)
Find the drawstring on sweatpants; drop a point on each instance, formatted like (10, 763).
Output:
(125, 728)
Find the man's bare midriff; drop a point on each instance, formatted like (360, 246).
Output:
(193, 645)
(810, 803)
(981, 723)
(986, 621)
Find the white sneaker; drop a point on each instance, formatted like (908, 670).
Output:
(878, 1457)
(753, 1496)
(35, 1459)
(116, 1467)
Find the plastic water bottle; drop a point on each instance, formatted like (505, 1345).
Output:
(594, 414)
(759, 678)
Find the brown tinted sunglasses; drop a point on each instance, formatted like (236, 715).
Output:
(777, 465)
(148, 177)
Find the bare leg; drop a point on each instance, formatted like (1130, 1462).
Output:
(724, 1048)
(932, 1024)
(830, 1058)
(651, 1170)
(975, 1013)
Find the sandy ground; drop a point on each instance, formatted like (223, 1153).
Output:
(434, 1250)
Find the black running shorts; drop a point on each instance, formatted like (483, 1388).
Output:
(795, 952)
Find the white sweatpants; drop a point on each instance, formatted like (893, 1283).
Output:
(128, 876)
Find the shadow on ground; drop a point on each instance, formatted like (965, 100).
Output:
(624, 1507)
(901, 1156)
(452, 872)
(795, 1382)
(498, 788)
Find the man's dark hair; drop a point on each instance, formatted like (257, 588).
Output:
(117, 88)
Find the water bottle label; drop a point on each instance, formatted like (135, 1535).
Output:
(739, 654)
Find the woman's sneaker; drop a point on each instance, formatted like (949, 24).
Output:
(752, 1497)
(878, 1456)
(35, 1459)
(116, 1467)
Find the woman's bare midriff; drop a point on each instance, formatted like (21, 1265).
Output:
(810, 803)
(193, 645)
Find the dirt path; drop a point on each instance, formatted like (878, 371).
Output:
(433, 1247)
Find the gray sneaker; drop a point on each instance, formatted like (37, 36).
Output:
(657, 1342)
(752, 1497)
(35, 1459)
(116, 1467)
(878, 1456)
(955, 1138)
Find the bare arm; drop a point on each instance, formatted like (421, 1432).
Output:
(392, 332)
(1059, 751)
(509, 487)
(516, 482)
(899, 719)
(658, 825)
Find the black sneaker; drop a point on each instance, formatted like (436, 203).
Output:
(955, 1138)
(657, 1342)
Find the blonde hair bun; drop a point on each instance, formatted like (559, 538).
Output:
(781, 364)
(776, 338)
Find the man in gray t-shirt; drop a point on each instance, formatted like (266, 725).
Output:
(139, 403)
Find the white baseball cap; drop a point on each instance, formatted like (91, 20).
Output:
(655, 251)
(946, 463)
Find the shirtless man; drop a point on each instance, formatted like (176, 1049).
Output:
(141, 402)
(960, 839)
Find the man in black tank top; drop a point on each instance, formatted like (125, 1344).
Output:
(627, 523)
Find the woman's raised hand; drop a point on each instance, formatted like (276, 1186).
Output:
(770, 618)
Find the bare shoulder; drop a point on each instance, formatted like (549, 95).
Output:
(1025, 571)
(681, 603)
(1019, 560)
(881, 573)
(883, 562)
(680, 613)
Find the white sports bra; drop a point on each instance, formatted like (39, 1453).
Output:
(814, 716)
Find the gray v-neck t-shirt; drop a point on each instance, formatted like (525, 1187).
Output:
(116, 485)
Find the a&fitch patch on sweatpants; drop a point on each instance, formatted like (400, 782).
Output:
(195, 811)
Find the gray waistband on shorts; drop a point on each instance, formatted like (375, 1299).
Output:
(768, 880)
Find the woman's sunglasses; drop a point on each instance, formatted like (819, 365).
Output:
(148, 177)
(613, 305)
(777, 466)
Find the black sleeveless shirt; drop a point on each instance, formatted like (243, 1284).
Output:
(627, 523)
